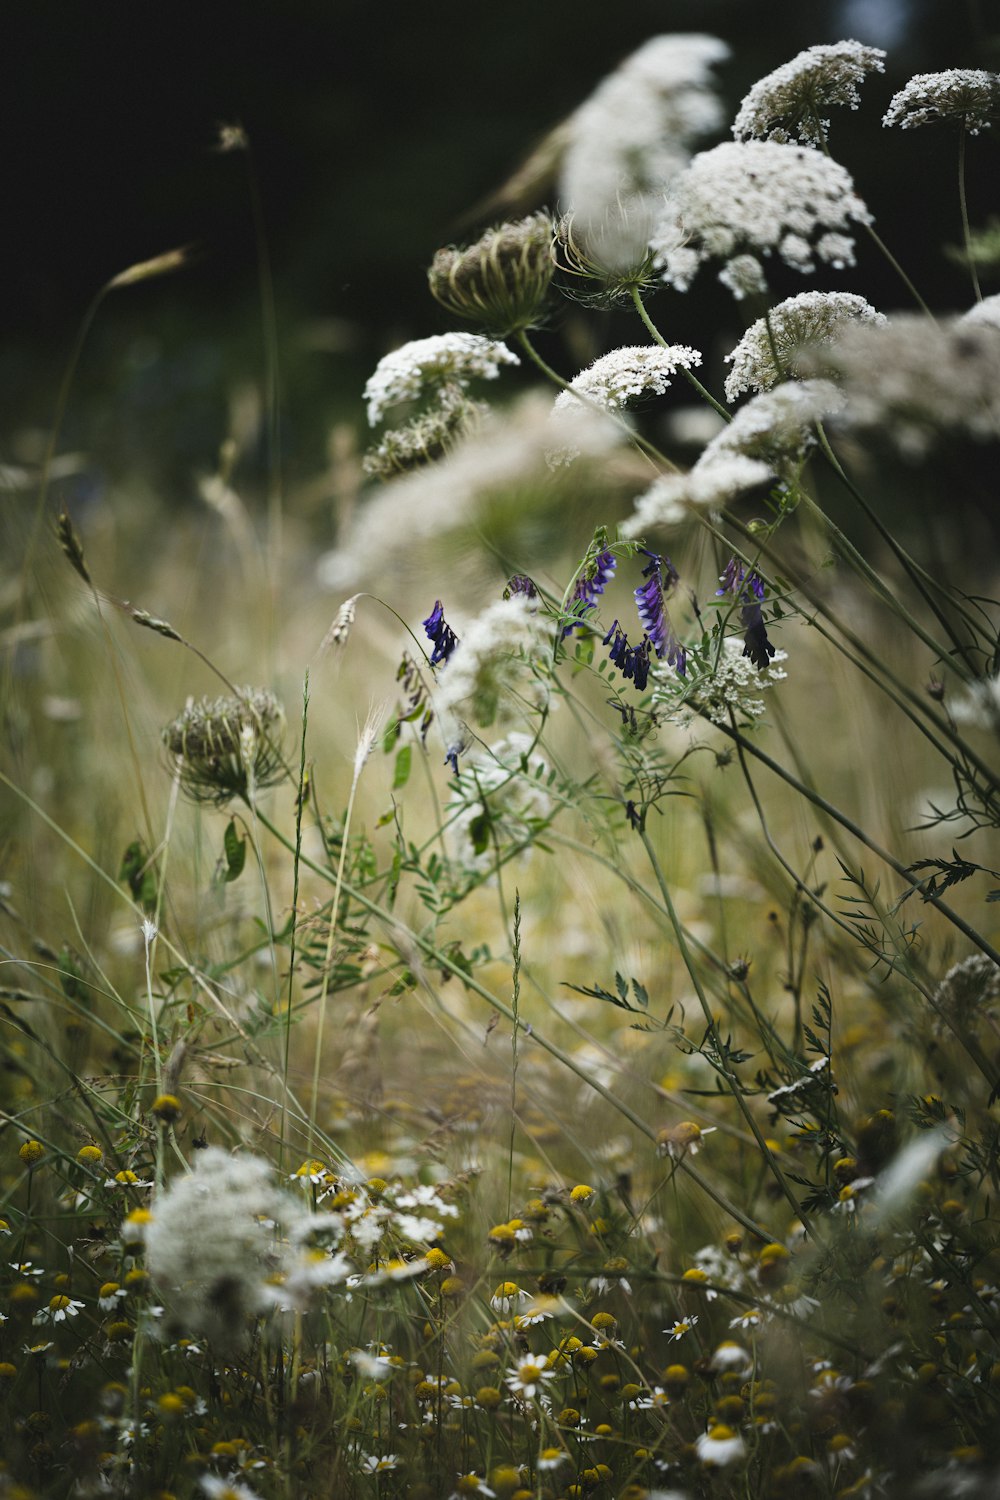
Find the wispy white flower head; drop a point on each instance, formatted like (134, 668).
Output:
(709, 486)
(491, 662)
(969, 97)
(759, 197)
(498, 456)
(611, 382)
(777, 426)
(496, 793)
(633, 135)
(214, 1247)
(744, 276)
(787, 104)
(444, 359)
(985, 312)
(767, 351)
(913, 380)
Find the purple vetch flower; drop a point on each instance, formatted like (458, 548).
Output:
(650, 600)
(589, 586)
(520, 583)
(633, 660)
(437, 629)
(748, 591)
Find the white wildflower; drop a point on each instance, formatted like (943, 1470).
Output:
(719, 1446)
(443, 359)
(912, 379)
(529, 1375)
(757, 197)
(501, 796)
(625, 374)
(786, 105)
(727, 685)
(217, 1488)
(777, 426)
(731, 1356)
(633, 135)
(768, 350)
(610, 383)
(213, 1244)
(744, 277)
(681, 1327)
(709, 486)
(897, 1185)
(491, 661)
(985, 313)
(968, 96)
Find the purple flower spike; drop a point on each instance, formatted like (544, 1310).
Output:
(650, 600)
(589, 586)
(748, 591)
(632, 660)
(437, 629)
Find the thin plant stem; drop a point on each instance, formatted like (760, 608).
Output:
(294, 932)
(713, 1030)
(853, 828)
(964, 208)
(689, 375)
(515, 1002)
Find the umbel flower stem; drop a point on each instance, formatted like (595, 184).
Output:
(858, 832)
(923, 581)
(964, 209)
(689, 375)
(873, 666)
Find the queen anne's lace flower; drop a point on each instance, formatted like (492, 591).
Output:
(912, 379)
(444, 359)
(709, 486)
(777, 427)
(986, 312)
(726, 683)
(767, 351)
(632, 136)
(757, 196)
(968, 96)
(625, 374)
(787, 104)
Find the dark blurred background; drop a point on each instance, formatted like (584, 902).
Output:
(374, 131)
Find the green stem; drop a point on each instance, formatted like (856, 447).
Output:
(863, 838)
(689, 375)
(884, 248)
(964, 207)
(922, 580)
(713, 1030)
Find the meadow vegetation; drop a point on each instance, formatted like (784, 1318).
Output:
(523, 1018)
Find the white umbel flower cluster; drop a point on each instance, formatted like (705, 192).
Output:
(708, 487)
(759, 198)
(634, 133)
(626, 374)
(452, 359)
(214, 1247)
(724, 687)
(787, 105)
(912, 380)
(986, 312)
(777, 427)
(610, 383)
(968, 97)
(767, 351)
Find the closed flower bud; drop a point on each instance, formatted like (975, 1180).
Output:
(500, 282)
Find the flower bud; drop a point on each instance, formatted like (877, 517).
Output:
(500, 282)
